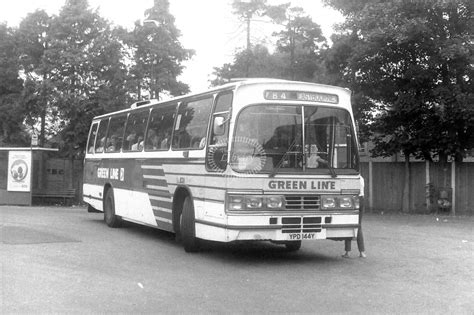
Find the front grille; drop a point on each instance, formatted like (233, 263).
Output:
(303, 202)
(295, 225)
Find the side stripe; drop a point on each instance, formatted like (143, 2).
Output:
(163, 220)
(156, 208)
(152, 167)
(156, 187)
(163, 199)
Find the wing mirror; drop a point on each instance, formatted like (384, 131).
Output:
(219, 125)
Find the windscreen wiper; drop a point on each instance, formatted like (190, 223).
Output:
(276, 168)
(332, 171)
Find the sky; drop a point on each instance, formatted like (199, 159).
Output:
(207, 26)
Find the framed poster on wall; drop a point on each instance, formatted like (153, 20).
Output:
(19, 171)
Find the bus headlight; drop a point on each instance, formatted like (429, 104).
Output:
(345, 202)
(236, 202)
(255, 202)
(342, 202)
(328, 202)
(275, 202)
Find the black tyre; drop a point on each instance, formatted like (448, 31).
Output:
(188, 227)
(110, 218)
(293, 246)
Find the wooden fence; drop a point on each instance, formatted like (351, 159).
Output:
(53, 175)
(384, 185)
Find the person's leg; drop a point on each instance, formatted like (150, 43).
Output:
(360, 236)
(347, 248)
(360, 243)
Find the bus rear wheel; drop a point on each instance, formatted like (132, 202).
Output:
(188, 227)
(293, 246)
(110, 218)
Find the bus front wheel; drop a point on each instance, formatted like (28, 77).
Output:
(188, 227)
(110, 218)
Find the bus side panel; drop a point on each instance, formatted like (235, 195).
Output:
(140, 189)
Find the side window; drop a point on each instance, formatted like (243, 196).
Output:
(159, 128)
(115, 134)
(135, 131)
(90, 141)
(191, 124)
(223, 102)
(217, 154)
(100, 139)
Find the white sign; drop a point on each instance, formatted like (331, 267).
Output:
(19, 171)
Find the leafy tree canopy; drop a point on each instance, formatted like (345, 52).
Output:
(297, 52)
(76, 66)
(11, 111)
(412, 63)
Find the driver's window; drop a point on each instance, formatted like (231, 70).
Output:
(221, 109)
(218, 142)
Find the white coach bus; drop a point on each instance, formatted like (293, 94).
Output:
(256, 159)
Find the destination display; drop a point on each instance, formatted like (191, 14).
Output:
(301, 96)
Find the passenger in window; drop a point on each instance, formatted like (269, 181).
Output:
(313, 158)
(165, 142)
(138, 146)
(100, 148)
(112, 144)
(153, 141)
(313, 153)
(130, 140)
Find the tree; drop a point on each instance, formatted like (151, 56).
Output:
(12, 112)
(256, 62)
(413, 62)
(301, 39)
(157, 53)
(34, 34)
(247, 11)
(297, 55)
(86, 71)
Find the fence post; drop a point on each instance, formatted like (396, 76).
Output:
(453, 187)
(371, 188)
(427, 186)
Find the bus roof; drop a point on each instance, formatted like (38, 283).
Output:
(233, 84)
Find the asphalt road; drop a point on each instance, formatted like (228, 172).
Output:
(65, 260)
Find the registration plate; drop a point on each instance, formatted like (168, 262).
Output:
(306, 236)
(302, 236)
